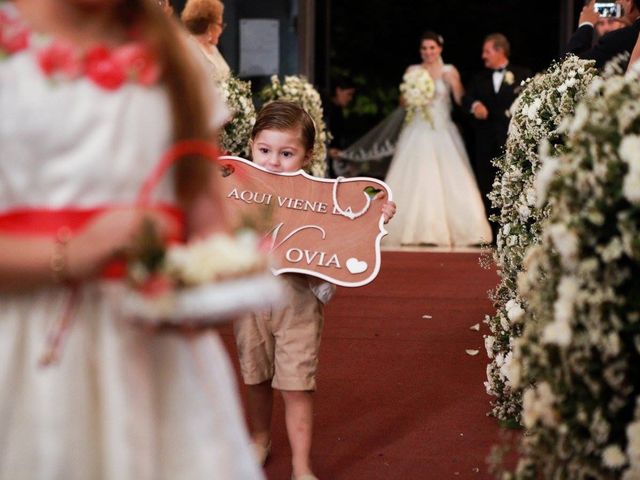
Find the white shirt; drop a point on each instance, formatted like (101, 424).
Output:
(498, 77)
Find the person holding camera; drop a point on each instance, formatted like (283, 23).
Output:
(611, 44)
(605, 25)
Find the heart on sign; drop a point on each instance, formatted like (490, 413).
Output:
(356, 266)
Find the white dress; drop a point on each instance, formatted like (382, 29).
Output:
(433, 184)
(121, 404)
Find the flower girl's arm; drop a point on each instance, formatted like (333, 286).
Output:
(27, 262)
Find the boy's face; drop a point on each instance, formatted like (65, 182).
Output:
(280, 151)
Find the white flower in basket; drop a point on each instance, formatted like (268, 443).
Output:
(418, 89)
(204, 281)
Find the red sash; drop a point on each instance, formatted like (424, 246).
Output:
(48, 223)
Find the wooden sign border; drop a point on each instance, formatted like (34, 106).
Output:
(377, 242)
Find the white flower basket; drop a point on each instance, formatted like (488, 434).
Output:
(206, 304)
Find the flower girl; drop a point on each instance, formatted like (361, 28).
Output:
(92, 93)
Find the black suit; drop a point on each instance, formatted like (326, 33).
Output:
(610, 45)
(491, 134)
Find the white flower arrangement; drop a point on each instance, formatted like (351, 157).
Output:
(580, 343)
(218, 257)
(235, 136)
(298, 89)
(537, 115)
(417, 90)
(202, 282)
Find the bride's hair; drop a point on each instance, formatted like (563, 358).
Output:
(431, 35)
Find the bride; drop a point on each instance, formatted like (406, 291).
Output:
(432, 181)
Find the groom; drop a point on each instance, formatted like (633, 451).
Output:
(488, 99)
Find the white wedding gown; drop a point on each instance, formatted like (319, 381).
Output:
(433, 184)
(122, 404)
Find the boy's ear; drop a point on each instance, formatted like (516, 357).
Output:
(307, 158)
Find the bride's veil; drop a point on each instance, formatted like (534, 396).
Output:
(379, 142)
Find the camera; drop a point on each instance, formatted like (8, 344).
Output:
(608, 9)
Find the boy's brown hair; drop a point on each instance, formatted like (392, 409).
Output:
(284, 115)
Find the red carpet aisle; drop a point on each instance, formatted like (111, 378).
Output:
(398, 396)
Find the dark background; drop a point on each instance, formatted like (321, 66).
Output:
(373, 41)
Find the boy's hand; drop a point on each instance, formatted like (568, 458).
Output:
(388, 208)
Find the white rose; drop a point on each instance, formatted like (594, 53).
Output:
(504, 323)
(529, 413)
(489, 340)
(537, 404)
(564, 305)
(510, 369)
(488, 389)
(613, 457)
(558, 333)
(633, 443)
(613, 250)
(565, 241)
(579, 119)
(631, 186)
(543, 179)
(515, 313)
(546, 399)
(632, 473)
(629, 151)
(613, 86)
(524, 212)
(531, 196)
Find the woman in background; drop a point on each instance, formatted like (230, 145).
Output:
(204, 19)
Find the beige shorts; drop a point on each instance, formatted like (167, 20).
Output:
(282, 344)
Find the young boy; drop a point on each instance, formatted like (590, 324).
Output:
(279, 348)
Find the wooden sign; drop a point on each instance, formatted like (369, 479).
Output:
(323, 227)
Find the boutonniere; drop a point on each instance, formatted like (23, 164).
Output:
(509, 78)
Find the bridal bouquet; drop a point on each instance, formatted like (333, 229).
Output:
(418, 89)
(235, 136)
(298, 89)
(202, 282)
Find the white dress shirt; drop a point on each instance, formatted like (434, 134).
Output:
(498, 77)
